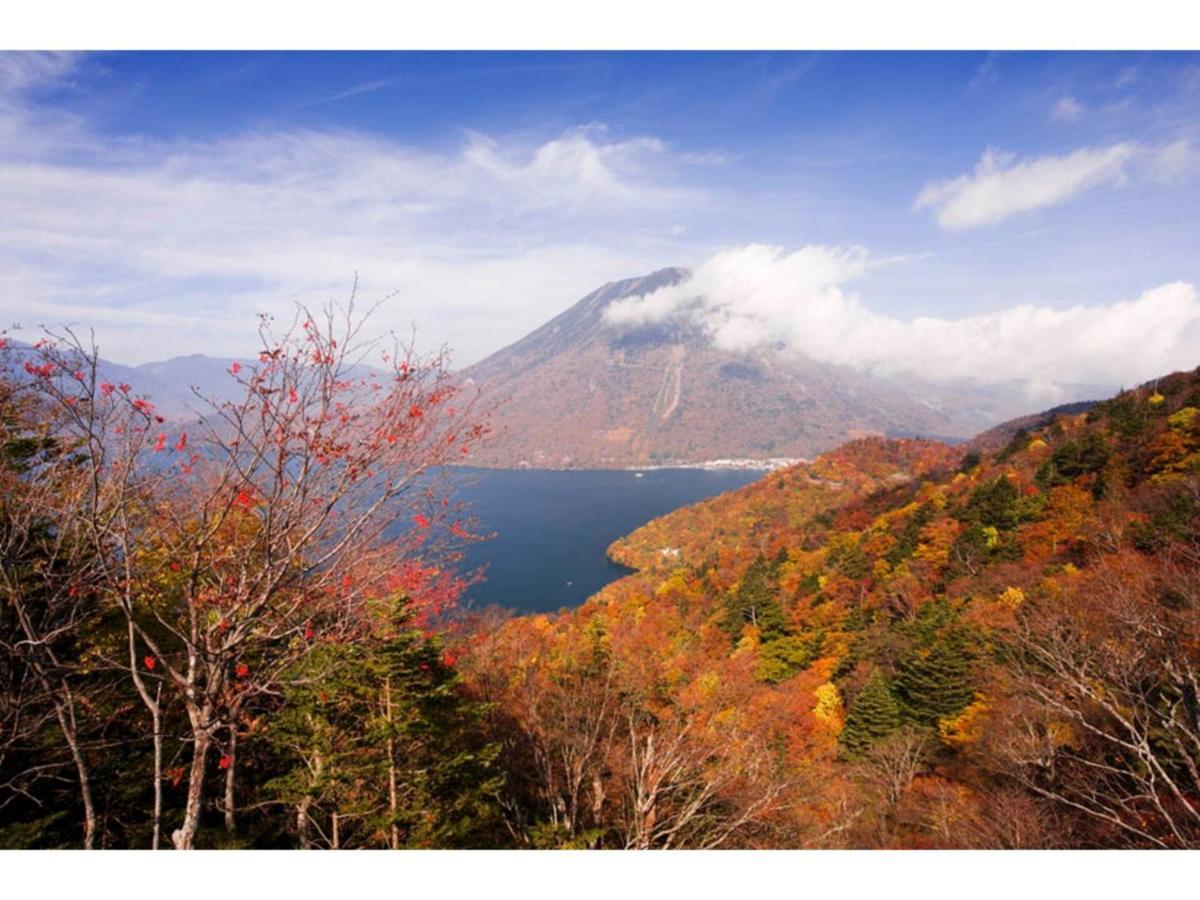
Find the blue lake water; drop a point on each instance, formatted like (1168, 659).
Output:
(552, 527)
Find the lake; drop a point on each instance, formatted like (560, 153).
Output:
(552, 527)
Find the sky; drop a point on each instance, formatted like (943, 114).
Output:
(1016, 215)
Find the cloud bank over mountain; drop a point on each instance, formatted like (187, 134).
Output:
(759, 295)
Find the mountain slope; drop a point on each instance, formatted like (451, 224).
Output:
(905, 644)
(581, 392)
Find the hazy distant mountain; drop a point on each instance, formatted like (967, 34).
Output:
(171, 384)
(579, 391)
(180, 386)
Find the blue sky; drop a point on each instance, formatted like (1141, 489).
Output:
(168, 197)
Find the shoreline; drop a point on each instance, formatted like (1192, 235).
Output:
(712, 465)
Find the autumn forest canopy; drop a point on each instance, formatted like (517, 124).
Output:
(245, 632)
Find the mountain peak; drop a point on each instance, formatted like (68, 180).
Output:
(581, 391)
(581, 323)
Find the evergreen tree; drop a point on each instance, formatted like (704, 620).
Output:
(934, 680)
(379, 737)
(993, 505)
(755, 601)
(873, 715)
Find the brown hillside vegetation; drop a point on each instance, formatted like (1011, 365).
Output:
(898, 645)
(216, 636)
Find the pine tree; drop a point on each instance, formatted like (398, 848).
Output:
(755, 601)
(873, 715)
(934, 681)
(379, 736)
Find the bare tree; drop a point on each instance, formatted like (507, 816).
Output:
(232, 545)
(1109, 726)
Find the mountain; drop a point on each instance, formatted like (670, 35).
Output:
(171, 384)
(581, 392)
(179, 387)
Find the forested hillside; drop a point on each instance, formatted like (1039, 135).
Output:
(221, 639)
(898, 645)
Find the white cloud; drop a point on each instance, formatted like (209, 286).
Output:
(576, 169)
(760, 295)
(1067, 109)
(988, 71)
(1173, 162)
(1000, 186)
(481, 242)
(26, 129)
(22, 72)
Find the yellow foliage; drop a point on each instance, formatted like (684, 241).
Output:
(708, 682)
(991, 535)
(967, 727)
(676, 582)
(725, 718)
(1187, 419)
(1012, 597)
(829, 705)
(1037, 444)
(1156, 399)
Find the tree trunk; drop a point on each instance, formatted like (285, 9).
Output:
(393, 805)
(184, 837)
(230, 782)
(66, 723)
(302, 808)
(156, 717)
(302, 821)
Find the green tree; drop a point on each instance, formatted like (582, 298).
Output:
(934, 680)
(755, 601)
(1072, 458)
(381, 747)
(873, 715)
(993, 505)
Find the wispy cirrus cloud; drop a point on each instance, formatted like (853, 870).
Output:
(1067, 109)
(1001, 186)
(485, 238)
